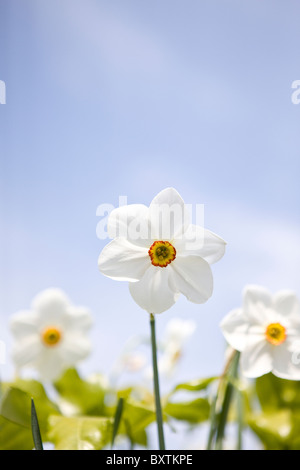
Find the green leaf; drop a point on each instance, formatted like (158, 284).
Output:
(274, 393)
(86, 397)
(195, 385)
(278, 430)
(294, 443)
(80, 433)
(14, 436)
(16, 406)
(273, 429)
(195, 411)
(135, 419)
(33, 389)
(15, 414)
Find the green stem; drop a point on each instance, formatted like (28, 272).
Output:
(159, 418)
(229, 391)
(223, 416)
(212, 420)
(240, 409)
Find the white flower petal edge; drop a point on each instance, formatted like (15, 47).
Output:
(285, 364)
(50, 300)
(76, 347)
(168, 215)
(131, 222)
(79, 319)
(23, 324)
(192, 276)
(50, 306)
(123, 261)
(27, 351)
(253, 294)
(234, 327)
(201, 242)
(152, 292)
(286, 303)
(256, 358)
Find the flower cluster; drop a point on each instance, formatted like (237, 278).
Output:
(161, 254)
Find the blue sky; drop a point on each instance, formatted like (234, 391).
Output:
(109, 98)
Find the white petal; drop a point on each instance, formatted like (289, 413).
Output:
(256, 304)
(192, 276)
(75, 347)
(286, 364)
(23, 324)
(51, 307)
(169, 216)
(287, 304)
(253, 294)
(256, 358)
(123, 261)
(234, 327)
(50, 365)
(131, 222)
(27, 351)
(50, 297)
(152, 292)
(80, 319)
(201, 242)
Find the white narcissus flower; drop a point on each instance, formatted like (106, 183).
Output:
(267, 332)
(160, 253)
(52, 335)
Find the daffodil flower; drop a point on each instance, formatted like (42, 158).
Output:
(267, 332)
(51, 336)
(160, 253)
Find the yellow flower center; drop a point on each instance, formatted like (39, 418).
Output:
(51, 336)
(162, 253)
(275, 333)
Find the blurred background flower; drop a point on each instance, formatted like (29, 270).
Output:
(266, 329)
(177, 334)
(52, 336)
(172, 348)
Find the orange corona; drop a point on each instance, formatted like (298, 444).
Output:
(51, 336)
(162, 253)
(275, 333)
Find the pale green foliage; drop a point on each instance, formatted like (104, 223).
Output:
(82, 416)
(79, 433)
(277, 423)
